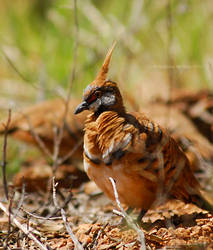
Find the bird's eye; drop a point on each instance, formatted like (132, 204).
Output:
(92, 98)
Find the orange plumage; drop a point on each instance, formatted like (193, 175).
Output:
(145, 162)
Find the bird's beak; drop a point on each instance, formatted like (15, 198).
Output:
(81, 107)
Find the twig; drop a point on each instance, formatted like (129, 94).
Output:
(75, 48)
(128, 219)
(95, 17)
(20, 203)
(169, 44)
(58, 138)
(96, 236)
(40, 217)
(9, 219)
(128, 39)
(56, 160)
(22, 227)
(67, 200)
(59, 135)
(24, 78)
(38, 140)
(13, 66)
(77, 245)
(72, 151)
(55, 201)
(118, 213)
(4, 155)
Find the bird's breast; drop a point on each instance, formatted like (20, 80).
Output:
(133, 189)
(109, 152)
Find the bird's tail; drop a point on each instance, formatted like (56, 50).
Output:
(189, 190)
(203, 201)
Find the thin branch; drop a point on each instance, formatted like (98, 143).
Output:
(170, 57)
(4, 155)
(24, 78)
(72, 151)
(40, 217)
(9, 219)
(77, 245)
(118, 213)
(66, 201)
(96, 236)
(59, 136)
(96, 18)
(38, 140)
(13, 66)
(21, 201)
(128, 219)
(54, 193)
(75, 48)
(22, 227)
(57, 139)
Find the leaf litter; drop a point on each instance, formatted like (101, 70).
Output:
(173, 225)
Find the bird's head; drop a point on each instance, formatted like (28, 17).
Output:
(102, 94)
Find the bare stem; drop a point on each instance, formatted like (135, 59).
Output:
(128, 219)
(77, 245)
(4, 155)
(59, 135)
(22, 227)
(21, 201)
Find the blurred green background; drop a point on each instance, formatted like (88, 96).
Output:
(161, 45)
(154, 37)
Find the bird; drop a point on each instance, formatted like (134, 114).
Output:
(142, 158)
(43, 120)
(197, 148)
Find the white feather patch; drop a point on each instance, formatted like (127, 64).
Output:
(95, 105)
(90, 155)
(116, 146)
(86, 165)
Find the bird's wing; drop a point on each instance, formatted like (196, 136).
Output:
(134, 133)
(150, 136)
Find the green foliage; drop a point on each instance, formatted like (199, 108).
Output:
(43, 35)
(17, 154)
(39, 36)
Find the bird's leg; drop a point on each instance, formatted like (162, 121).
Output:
(140, 216)
(122, 221)
(129, 210)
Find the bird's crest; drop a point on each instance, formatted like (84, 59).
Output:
(101, 77)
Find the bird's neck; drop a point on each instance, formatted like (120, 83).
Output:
(119, 109)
